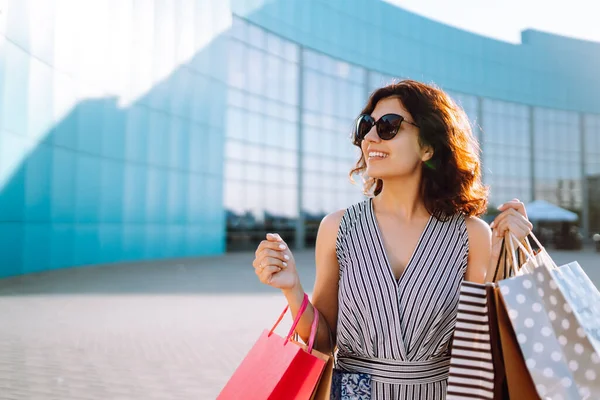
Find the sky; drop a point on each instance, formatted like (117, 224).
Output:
(504, 20)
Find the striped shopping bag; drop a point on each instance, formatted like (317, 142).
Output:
(472, 362)
(476, 363)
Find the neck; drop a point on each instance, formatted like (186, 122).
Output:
(401, 197)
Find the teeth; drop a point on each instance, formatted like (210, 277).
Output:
(377, 154)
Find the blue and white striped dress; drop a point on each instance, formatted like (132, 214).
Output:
(399, 331)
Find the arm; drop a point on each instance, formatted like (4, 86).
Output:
(481, 256)
(325, 291)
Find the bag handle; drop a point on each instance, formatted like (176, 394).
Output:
(298, 316)
(303, 307)
(331, 345)
(543, 253)
(535, 239)
(515, 263)
(501, 256)
(530, 257)
(313, 330)
(529, 252)
(314, 326)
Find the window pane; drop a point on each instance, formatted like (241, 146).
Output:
(557, 139)
(506, 153)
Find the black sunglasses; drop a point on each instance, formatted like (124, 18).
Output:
(387, 126)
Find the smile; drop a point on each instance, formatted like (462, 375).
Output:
(374, 155)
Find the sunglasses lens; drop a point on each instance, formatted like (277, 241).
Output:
(363, 126)
(388, 125)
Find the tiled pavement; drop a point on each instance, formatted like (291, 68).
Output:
(161, 330)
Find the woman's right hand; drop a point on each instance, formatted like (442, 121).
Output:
(274, 263)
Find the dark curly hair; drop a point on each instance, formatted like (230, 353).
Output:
(451, 181)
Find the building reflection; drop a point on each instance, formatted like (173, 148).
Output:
(290, 115)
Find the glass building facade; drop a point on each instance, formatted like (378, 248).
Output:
(145, 130)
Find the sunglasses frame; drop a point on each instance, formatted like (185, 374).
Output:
(372, 122)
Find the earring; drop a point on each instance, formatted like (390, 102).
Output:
(429, 164)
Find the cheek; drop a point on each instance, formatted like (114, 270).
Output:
(363, 149)
(416, 146)
(407, 149)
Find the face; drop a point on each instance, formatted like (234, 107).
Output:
(400, 156)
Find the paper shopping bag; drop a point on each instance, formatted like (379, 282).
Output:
(568, 313)
(575, 319)
(582, 296)
(471, 362)
(278, 368)
(323, 391)
(559, 355)
(477, 367)
(519, 383)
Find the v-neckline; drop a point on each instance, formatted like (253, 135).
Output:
(382, 243)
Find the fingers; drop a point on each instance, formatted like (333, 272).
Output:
(518, 228)
(514, 222)
(516, 205)
(266, 274)
(503, 215)
(269, 261)
(272, 245)
(509, 212)
(271, 256)
(266, 271)
(280, 254)
(274, 237)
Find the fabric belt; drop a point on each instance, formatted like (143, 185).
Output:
(398, 371)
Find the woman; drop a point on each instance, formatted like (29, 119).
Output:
(389, 269)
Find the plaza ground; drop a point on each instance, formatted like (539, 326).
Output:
(172, 329)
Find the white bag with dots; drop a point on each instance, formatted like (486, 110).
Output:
(555, 313)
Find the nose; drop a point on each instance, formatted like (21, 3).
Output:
(372, 135)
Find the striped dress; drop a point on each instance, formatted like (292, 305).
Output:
(398, 331)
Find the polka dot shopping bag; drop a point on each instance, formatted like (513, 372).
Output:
(555, 315)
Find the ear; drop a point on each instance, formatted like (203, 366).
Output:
(426, 153)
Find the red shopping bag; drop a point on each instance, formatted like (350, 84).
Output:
(278, 368)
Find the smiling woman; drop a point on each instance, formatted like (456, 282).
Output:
(437, 124)
(389, 268)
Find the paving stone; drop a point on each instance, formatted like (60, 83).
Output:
(163, 330)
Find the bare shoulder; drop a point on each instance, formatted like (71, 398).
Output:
(478, 229)
(480, 244)
(328, 230)
(326, 240)
(331, 223)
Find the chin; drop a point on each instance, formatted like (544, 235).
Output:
(376, 173)
(383, 173)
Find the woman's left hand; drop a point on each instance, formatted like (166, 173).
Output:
(513, 218)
